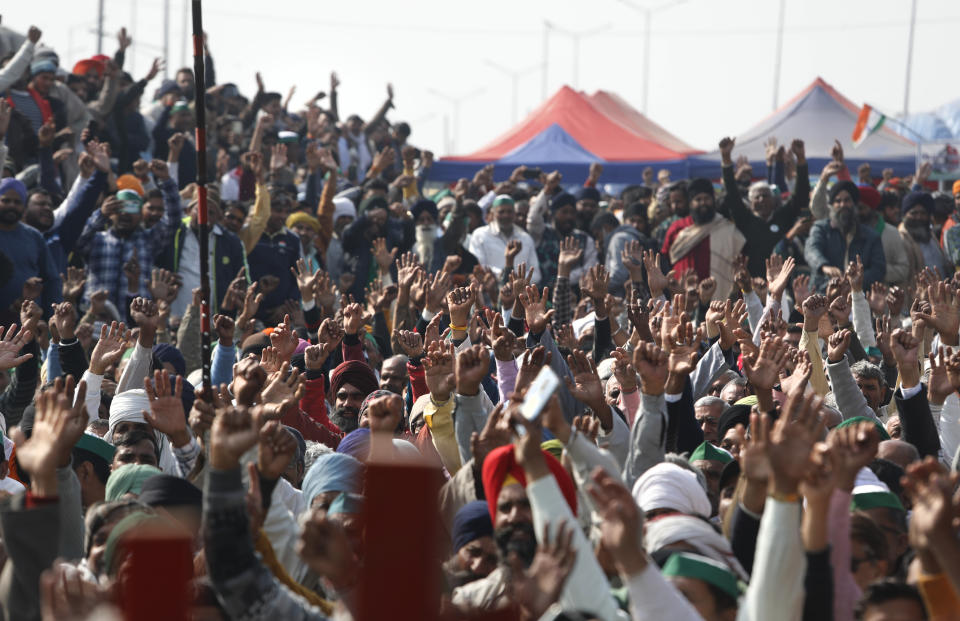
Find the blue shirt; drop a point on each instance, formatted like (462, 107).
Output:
(274, 255)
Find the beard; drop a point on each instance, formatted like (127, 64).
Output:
(702, 215)
(346, 418)
(843, 219)
(519, 539)
(9, 216)
(426, 234)
(919, 231)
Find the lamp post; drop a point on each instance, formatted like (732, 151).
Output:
(455, 104)
(576, 35)
(647, 16)
(515, 83)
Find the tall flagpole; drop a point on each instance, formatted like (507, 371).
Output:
(202, 216)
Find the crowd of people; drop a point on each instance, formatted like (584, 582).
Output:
(757, 415)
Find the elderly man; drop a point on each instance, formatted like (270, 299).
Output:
(350, 383)
(766, 221)
(474, 549)
(489, 243)
(922, 247)
(837, 240)
(707, 411)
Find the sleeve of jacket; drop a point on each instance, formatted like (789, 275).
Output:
(79, 210)
(862, 324)
(31, 538)
(73, 361)
(681, 420)
(71, 514)
(850, 401)
(818, 587)
(744, 528)
(137, 369)
(814, 250)
(23, 384)
(916, 420)
(818, 201)
(895, 254)
(257, 220)
(648, 438)
(776, 585)
(652, 596)
(875, 263)
(17, 66)
(188, 337)
(470, 415)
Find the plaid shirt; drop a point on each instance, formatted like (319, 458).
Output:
(105, 252)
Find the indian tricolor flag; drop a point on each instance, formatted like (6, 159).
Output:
(868, 122)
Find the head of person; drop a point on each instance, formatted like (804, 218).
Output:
(708, 585)
(702, 200)
(917, 211)
(13, 201)
(39, 211)
(707, 411)
(891, 600)
(868, 550)
(677, 199)
(504, 213)
(233, 216)
(794, 334)
(588, 203)
(297, 467)
(214, 213)
(735, 390)
(152, 210)
(344, 212)
(762, 201)
(474, 549)
(863, 173)
(128, 206)
(329, 476)
(899, 452)
(350, 383)
(176, 498)
(42, 75)
(844, 197)
(605, 223)
(77, 84)
(890, 207)
(871, 382)
(869, 203)
(185, 82)
(92, 459)
(635, 215)
(281, 204)
(136, 446)
(504, 484)
(710, 460)
(564, 209)
(181, 116)
(425, 217)
(671, 488)
(305, 226)
(887, 512)
(394, 375)
(98, 524)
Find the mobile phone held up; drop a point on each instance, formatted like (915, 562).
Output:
(539, 393)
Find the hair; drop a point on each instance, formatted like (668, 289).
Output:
(887, 590)
(101, 467)
(633, 193)
(678, 186)
(154, 193)
(403, 128)
(705, 402)
(794, 328)
(737, 381)
(889, 472)
(868, 370)
(378, 184)
(102, 512)
(138, 435)
(313, 452)
(866, 531)
(602, 219)
(889, 199)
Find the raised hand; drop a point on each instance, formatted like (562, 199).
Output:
(530, 364)
(763, 368)
(327, 551)
(905, 348)
(144, 313)
(598, 285)
(623, 370)
(726, 150)
(570, 255)
(166, 413)
(437, 291)
(109, 348)
(620, 522)
(651, 363)
(535, 307)
(945, 315)
(410, 343)
(586, 387)
(407, 268)
(384, 414)
(790, 443)
(930, 487)
(503, 340)
(778, 274)
(352, 318)
(233, 434)
(837, 345)
(163, 285)
(284, 339)
(275, 450)
(438, 370)
(282, 391)
(459, 302)
(382, 256)
(854, 446)
(306, 281)
(656, 280)
(472, 365)
(814, 307)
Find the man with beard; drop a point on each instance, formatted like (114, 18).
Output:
(106, 250)
(177, 119)
(766, 221)
(894, 247)
(922, 247)
(25, 248)
(474, 549)
(563, 207)
(837, 240)
(676, 200)
(374, 221)
(588, 203)
(489, 243)
(704, 241)
(634, 219)
(431, 246)
(350, 383)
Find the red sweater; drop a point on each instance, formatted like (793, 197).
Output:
(698, 259)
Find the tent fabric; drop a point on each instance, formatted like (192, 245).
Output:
(568, 132)
(941, 124)
(818, 114)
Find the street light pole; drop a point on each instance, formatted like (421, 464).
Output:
(455, 104)
(515, 82)
(648, 17)
(100, 27)
(166, 38)
(779, 56)
(576, 36)
(546, 57)
(913, 24)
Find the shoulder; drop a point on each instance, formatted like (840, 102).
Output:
(679, 225)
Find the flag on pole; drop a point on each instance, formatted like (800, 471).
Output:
(868, 122)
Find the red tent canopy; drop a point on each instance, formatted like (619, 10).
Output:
(616, 108)
(592, 129)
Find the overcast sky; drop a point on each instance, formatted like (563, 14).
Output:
(711, 61)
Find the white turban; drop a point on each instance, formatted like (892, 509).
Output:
(668, 486)
(343, 206)
(669, 529)
(127, 406)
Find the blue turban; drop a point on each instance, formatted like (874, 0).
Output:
(917, 199)
(332, 472)
(11, 183)
(424, 205)
(40, 66)
(471, 522)
(588, 194)
(562, 200)
(168, 353)
(356, 444)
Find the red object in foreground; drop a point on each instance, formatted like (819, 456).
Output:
(156, 579)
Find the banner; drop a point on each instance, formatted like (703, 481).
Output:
(944, 156)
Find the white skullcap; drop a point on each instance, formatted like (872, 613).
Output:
(343, 206)
(668, 486)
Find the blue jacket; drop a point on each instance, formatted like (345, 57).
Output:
(274, 255)
(827, 246)
(618, 241)
(357, 257)
(228, 259)
(63, 235)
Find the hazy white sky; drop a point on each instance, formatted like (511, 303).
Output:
(711, 67)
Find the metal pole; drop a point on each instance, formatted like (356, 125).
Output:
(576, 60)
(100, 27)
(202, 215)
(446, 134)
(183, 41)
(166, 38)
(546, 54)
(132, 50)
(906, 90)
(778, 57)
(646, 59)
(456, 124)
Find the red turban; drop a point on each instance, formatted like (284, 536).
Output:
(869, 196)
(83, 67)
(501, 462)
(356, 373)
